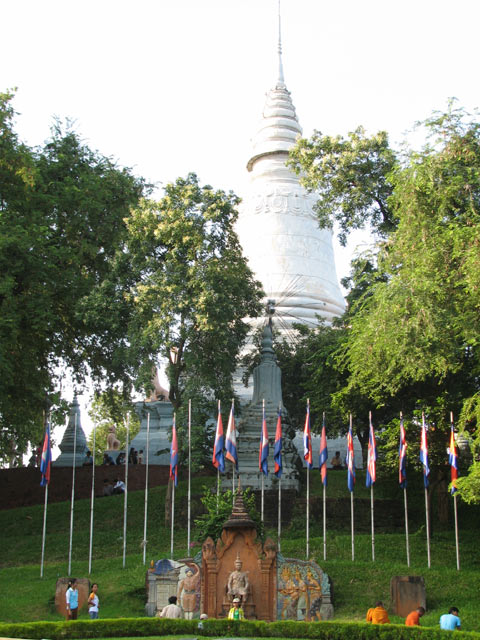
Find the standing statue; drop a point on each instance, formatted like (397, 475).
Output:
(188, 586)
(112, 441)
(238, 585)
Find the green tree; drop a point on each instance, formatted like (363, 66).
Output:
(193, 288)
(351, 177)
(415, 335)
(62, 210)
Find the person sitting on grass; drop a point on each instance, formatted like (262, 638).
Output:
(377, 614)
(413, 618)
(450, 621)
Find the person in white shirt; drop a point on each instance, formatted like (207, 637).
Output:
(172, 610)
(119, 486)
(93, 602)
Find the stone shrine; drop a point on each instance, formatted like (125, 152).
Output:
(159, 437)
(267, 386)
(71, 442)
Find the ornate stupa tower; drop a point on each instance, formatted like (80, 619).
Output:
(278, 229)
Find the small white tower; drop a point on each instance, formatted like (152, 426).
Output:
(278, 229)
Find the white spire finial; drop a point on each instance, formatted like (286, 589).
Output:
(281, 79)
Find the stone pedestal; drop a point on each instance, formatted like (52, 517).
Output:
(160, 431)
(267, 387)
(71, 442)
(407, 594)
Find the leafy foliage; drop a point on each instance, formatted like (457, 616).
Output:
(108, 409)
(351, 177)
(218, 510)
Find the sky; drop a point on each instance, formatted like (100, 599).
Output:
(169, 87)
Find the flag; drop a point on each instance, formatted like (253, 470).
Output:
(231, 440)
(424, 453)
(402, 457)
(277, 451)
(371, 457)
(350, 460)
(453, 460)
(323, 455)
(46, 459)
(174, 454)
(307, 440)
(218, 458)
(263, 452)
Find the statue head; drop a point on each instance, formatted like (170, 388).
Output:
(238, 564)
(189, 573)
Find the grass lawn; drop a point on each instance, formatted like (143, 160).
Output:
(356, 585)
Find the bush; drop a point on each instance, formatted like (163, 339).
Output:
(138, 627)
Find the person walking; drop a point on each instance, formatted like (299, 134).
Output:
(93, 602)
(71, 598)
(413, 618)
(450, 621)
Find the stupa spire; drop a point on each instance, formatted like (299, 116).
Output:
(281, 79)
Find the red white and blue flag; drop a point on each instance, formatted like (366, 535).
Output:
(231, 440)
(277, 451)
(174, 454)
(371, 456)
(424, 453)
(46, 459)
(323, 455)
(307, 440)
(402, 457)
(218, 458)
(350, 460)
(453, 460)
(263, 451)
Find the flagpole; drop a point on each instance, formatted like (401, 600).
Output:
(406, 525)
(351, 509)
(218, 468)
(307, 514)
(189, 496)
(45, 505)
(73, 496)
(457, 550)
(125, 495)
(172, 520)
(324, 505)
(279, 533)
(44, 529)
(146, 492)
(92, 497)
(261, 472)
(372, 513)
(233, 466)
(427, 519)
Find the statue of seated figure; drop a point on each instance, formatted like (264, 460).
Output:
(238, 585)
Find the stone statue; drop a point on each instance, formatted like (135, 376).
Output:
(238, 585)
(158, 392)
(112, 441)
(188, 587)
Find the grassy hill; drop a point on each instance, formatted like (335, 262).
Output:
(25, 596)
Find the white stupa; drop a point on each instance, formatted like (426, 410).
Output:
(286, 249)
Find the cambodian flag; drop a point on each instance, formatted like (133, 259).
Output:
(277, 451)
(453, 460)
(46, 460)
(307, 440)
(231, 440)
(218, 458)
(323, 455)
(424, 453)
(402, 457)
(174, 454)
(371, 457)
(350, 460)
(263, 452)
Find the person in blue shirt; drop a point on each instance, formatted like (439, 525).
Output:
(71, 597)
(450, 621)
